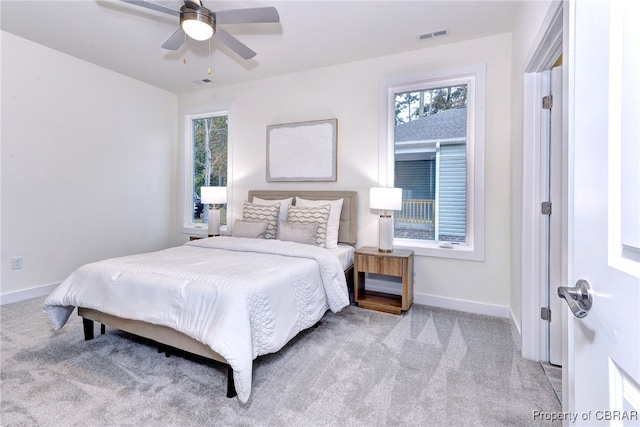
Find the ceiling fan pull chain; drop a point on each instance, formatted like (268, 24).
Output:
(185, 49)
(209, 70)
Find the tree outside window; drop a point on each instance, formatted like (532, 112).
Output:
(210, 148)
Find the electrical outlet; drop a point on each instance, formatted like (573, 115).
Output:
(16, 263)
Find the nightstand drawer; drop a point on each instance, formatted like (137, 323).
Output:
(374, 264)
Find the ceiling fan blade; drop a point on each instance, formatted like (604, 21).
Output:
(247, 16)
(154, 6)
(234, 44)
(175, 41)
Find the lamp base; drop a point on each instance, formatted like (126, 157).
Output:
(214, 222)
(385, 234)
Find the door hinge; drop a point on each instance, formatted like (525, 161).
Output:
(547, 102)
(545, 313)
(545, 208)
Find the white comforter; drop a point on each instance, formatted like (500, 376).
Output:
(242, 297)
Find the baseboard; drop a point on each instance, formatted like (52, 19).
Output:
(515, 324)
(26, 294)
(462, 305)
(516, 332)
(445, 302)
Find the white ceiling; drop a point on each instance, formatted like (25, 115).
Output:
(127, 38)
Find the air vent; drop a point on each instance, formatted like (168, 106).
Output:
(203, 81)
(433, 35)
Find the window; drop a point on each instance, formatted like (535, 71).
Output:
(206, 164)
(432, 146)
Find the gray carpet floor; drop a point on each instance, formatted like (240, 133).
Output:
(428, 367)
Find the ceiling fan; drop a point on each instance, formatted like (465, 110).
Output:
(200, 23)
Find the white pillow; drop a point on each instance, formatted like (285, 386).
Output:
(284, 207)
(334, 217)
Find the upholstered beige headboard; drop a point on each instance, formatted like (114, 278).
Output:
(348, 232)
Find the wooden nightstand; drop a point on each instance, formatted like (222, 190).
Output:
(398, 263)
(191, 238)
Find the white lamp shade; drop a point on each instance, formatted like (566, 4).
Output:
(213, 195)
(385, 198)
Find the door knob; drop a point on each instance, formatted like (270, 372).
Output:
(579, 298)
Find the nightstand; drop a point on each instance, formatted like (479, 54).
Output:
(398, 263)
(191, 238)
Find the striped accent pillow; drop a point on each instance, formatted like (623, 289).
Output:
(318, 215)
(260, 213)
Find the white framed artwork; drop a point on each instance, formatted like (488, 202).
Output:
(305, 151)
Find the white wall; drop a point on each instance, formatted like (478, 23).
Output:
(89, 165)
(528, 30)
(349, 92)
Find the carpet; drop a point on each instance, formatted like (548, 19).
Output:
(358, 367)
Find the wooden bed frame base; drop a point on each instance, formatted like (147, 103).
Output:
(163, 335)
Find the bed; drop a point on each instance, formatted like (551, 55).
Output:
(225, 298)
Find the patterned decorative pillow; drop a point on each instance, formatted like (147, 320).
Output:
(298, 232)
(259, 213)
(317, 214)
(284, 209)
(284, 206)
(250, 229)
(333, 226)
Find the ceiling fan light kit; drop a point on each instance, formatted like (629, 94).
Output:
(198, 24)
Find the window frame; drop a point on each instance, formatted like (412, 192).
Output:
(475, 77)
(186, 188)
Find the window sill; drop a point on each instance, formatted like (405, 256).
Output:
(441, 249)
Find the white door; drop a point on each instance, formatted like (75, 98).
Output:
(602, 358)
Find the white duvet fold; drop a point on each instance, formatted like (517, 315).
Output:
(241, 297)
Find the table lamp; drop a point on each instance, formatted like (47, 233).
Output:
(213, 196)
(385, 199)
